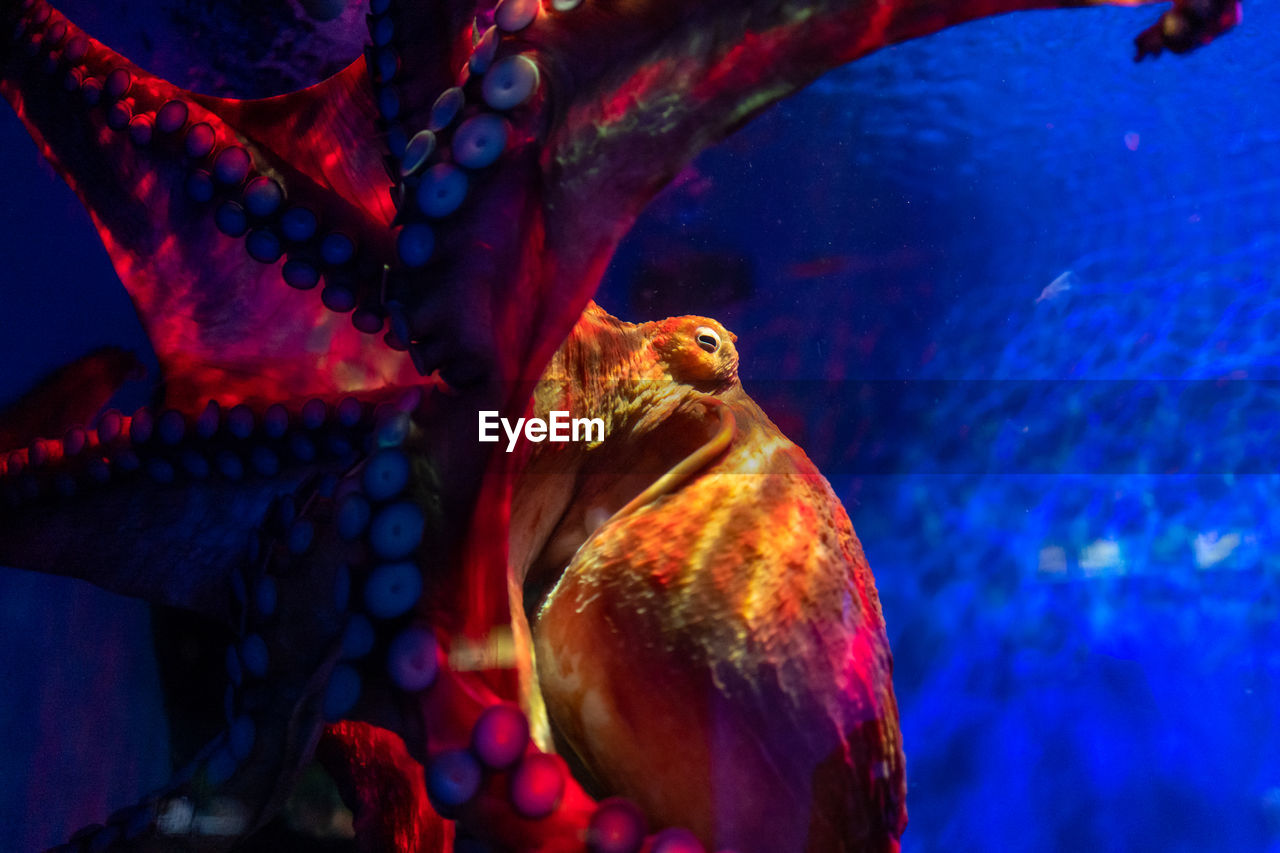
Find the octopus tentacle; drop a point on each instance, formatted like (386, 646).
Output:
(87, 504)
(172, 179)
(281, 675)
(414, 54)
(564, 140)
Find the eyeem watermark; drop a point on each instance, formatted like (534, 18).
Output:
(557, 427)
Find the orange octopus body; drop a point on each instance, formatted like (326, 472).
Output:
(715, 649)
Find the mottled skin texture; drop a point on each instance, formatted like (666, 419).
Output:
(716, 654)
(768, 642)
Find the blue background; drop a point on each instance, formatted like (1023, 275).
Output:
(1067, 496)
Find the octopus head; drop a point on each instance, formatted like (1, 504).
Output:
(697, 351)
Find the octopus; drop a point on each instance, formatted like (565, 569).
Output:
(660, 637)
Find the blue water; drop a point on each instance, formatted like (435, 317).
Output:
(1018, 297)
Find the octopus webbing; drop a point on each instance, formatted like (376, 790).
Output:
(670, 630)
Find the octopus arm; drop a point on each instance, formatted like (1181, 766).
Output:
(171, 546)
(166, 506)
(637, 88)
(202, 203)
(168, 523)
(659, 81)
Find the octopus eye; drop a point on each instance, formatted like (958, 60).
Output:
(707, 338)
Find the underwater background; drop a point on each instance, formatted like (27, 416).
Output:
(1019, 298)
